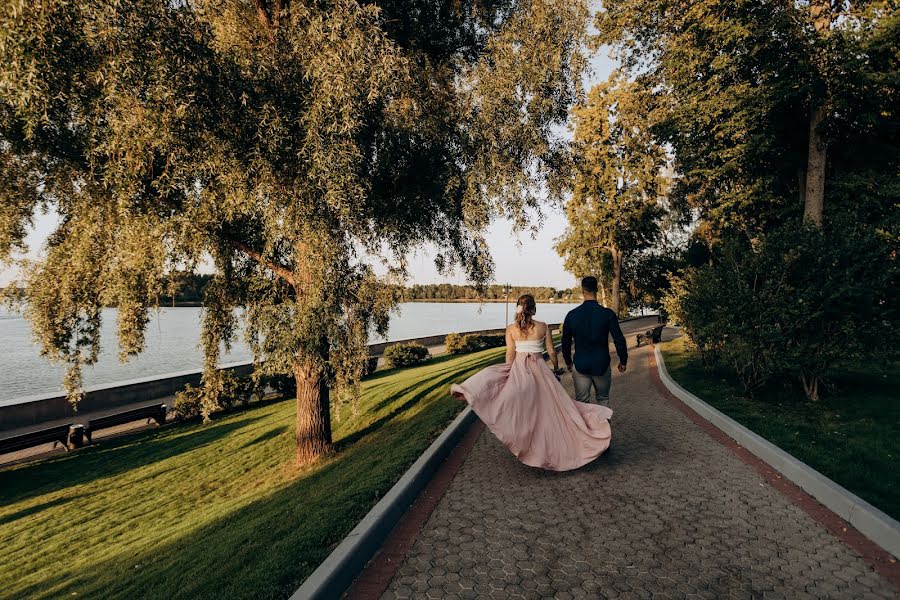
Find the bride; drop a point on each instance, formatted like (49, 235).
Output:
(526, 407)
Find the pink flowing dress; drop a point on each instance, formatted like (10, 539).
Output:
(530, 412)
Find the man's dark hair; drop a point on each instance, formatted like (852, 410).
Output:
(589, 284)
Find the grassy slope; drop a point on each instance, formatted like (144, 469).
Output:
(215, 511)
(852, 435)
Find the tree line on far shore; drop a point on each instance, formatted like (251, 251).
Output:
(188, 289)
(449, 291)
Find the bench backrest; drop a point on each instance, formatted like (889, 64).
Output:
(33, 438)
(126, 416)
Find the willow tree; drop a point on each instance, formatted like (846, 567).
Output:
(617, 180)
(295, 145)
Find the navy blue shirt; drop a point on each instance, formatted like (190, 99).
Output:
(590, 326)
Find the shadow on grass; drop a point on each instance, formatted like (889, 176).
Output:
(265, 549)
(272, 433)
(413, 400)
(436, 360)
(109, 459)
(38, 508)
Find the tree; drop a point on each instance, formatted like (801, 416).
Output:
(754, 95)
(648, 276)
(616, 183)
(814, 193)
(294, 145)
(764, 103)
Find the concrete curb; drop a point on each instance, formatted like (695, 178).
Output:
(338, 570)
(868, 520)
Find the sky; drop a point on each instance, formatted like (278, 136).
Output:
(519, 259)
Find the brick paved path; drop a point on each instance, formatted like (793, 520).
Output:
(668, 512)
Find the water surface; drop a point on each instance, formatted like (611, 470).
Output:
(173, 338)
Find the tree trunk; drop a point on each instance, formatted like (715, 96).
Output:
(313, 431)
(814, 197)
(602, 283)
(810, 386)
(616, 279)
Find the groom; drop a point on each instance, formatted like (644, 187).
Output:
(589, 326)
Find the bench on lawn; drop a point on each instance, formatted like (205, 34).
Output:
(154, 412)
(68, 435)
(651, 335)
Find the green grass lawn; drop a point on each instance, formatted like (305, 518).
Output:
(852, 435)
(218, 510)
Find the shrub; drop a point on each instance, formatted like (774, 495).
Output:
(490, 341)
(188, 402)
(283, 385)
(228, 390)
(796, 304)
(370, 365)
(473, 342)
(405, 355)
(455, 344)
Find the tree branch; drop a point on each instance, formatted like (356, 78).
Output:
(277, 268)
(270, 16)
(263, 14)
(277, 16)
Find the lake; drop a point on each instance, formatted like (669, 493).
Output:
(173, 338)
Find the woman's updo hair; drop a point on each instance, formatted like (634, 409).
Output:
(525, 309)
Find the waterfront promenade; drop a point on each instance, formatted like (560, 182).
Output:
(669, 512)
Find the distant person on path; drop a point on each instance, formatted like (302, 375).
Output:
(590, 326)
(523, 403)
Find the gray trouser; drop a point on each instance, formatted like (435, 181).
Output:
(601, 385)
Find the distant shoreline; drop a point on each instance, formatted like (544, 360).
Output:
(511, 300)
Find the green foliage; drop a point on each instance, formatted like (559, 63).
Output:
(283, 385)
(370, 366)
(286, 144)
(405, 355)
(188, 403)
(617, 183)
(472, 342)
(648, 276)
(231, 389)
(184, 288)
(796, 304)
(455, 343)
(734, 84)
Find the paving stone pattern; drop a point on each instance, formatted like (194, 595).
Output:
(667, 512)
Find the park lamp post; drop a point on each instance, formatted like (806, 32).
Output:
(506, 290)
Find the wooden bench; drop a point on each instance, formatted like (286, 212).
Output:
(68, 435)
(651, 335)
(154, 412)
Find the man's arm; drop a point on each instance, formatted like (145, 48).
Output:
(567, 343)
(619, 341)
